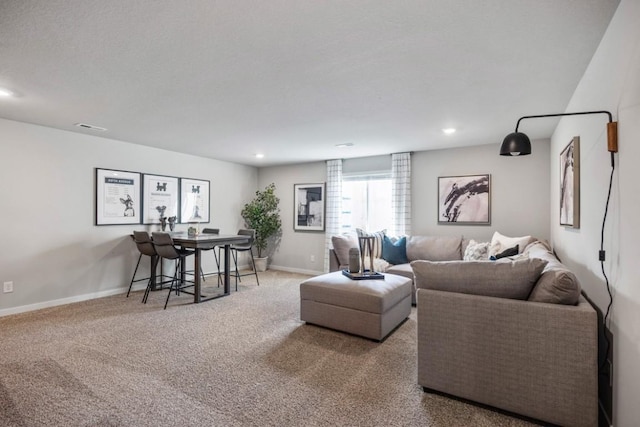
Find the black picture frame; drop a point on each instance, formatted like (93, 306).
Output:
(309, 207)
(117, 197)
(160, 198)
(194, 200)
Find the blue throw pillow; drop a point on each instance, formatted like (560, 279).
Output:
(394, 253)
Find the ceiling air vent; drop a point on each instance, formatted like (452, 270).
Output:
(86, 126)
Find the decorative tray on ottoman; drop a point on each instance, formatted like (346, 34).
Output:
(366, 275)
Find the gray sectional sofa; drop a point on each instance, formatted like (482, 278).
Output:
(431, 248)
(515, 335)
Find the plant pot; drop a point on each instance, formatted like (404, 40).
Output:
(261, 263)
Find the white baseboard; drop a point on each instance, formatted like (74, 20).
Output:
(122, 290)
(295, 270)
(69, 300)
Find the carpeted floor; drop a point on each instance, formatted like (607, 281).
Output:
(245, 359)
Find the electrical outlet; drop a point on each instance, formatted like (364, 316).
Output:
(312, 258)
(8, 287)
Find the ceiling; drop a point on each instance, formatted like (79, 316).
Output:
(291, 79)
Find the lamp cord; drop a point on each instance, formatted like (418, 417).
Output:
(604, 220)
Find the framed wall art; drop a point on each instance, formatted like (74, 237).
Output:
(464, 200)
(160, 198)
(117, 197)
(194, 200)
(570, 184)
(309, 207)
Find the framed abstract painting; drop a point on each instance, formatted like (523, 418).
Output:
(464, 200)
(308, 201)
(570, 184)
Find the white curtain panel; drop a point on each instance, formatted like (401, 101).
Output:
(401, 193)
(334, 205)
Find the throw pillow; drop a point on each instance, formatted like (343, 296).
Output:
(341, 245)
(557, 284)
(434, 248)
(512, 280)
(476, 251)
(377, 243)
(499, 243)
(394, 252)
(508, 252)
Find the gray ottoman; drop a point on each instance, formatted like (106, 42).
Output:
(369, 308)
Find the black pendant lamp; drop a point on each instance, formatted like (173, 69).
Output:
(519, 144)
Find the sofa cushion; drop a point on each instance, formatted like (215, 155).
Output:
(476, 251)
(401, 270)
(557, 284)
(341, 245)
(512, 280)
(499, 243)
(394, 252)
(432, 248)
(377, 243)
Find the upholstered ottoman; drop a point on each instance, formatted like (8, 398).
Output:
(369, 308)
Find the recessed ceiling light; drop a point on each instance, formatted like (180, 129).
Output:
(346, 144)
(259, 156)
(5, 93)
(449, 131)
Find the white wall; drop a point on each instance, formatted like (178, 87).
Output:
(519, 189)
(51, 248)
(519, 185)
(611, 82)
(296, 248)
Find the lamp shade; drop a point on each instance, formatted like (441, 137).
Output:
(516, 144)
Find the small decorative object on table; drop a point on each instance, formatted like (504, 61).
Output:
(172, 223)
(163, 223)
(354, 260)
(366, 248)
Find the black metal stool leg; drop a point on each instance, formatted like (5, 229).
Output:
(175, 277)
(255, 271)
(134, 275)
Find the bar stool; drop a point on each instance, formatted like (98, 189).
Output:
(243, 248)
(165, 248)
(212, 231)
(145, 247)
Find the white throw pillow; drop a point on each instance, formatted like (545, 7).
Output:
(377, 243)
(499, 243)
(476, 251)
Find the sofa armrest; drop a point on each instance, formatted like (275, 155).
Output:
(534, 359)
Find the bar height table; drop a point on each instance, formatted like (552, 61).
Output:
(205, 241)
(208, 241)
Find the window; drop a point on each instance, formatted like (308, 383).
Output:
(366, 202)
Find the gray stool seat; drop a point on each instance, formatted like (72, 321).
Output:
(369, 308)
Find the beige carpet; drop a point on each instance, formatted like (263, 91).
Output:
(245, 359)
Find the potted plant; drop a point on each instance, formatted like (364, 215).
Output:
(263, 215)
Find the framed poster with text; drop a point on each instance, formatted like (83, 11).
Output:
(194, 200)
(117, 197)
(159, 198)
